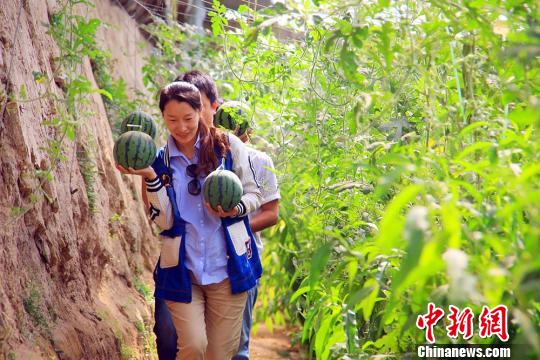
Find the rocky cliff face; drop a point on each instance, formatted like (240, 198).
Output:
(72, 253)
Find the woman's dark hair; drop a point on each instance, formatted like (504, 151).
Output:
(202, 81)
(180, 91)
(210, 138)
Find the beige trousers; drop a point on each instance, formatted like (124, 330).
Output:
(209, 327)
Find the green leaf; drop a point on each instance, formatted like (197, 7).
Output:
(70, 132)
(353, 116)
(359, 35)
(243, 9)
(368, 302)
(352, 269)
(298, 293)
(318, 262)
(360, 295)
(392, 223)
(413, 252)
(470, 128)
(39, 77)
(345, 27)
(251, 36)
(22, 92)
(482, 145)
(105, 93)
(384, 44)
(525, 117)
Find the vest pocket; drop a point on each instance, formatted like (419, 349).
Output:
(239, 237)
(170, 252)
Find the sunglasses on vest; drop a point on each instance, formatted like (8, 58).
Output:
(194, 186)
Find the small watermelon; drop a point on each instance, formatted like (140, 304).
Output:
(222, 187)
(134, 149)
(232, 115)
(139, 121)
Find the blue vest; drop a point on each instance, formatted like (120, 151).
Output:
(175, 283)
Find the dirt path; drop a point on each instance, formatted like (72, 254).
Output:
(265, 345)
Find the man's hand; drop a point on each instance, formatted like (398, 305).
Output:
(220, 212)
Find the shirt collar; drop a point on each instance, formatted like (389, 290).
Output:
(173, 149)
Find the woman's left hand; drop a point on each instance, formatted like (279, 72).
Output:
(220, 212)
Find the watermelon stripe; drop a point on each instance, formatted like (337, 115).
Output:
(126, 151)
(150, 158)
(121, 151)
(227, 207)
(230, 120)
(144, 153)
(234, 198)
(213, 187)
(234, 190)
(137, 148)
(215, 196)
(211, 197)
(220, 191)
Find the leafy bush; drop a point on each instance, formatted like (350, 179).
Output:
(406, 144)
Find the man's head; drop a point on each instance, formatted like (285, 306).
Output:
(208, 90)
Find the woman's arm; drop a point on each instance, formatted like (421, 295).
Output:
(159, 205)
(155, 198)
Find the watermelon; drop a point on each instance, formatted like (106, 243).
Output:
(139, 121)
(232, 115)
(222, 187)
(134, 149)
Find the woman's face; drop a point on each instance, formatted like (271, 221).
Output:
(182, 121)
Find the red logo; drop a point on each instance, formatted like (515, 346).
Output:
(491, 322)
(494, 322)
(460, 323)
(429, 320)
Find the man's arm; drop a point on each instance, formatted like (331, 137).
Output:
(267, 217)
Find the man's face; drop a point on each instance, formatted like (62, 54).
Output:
(208, 110)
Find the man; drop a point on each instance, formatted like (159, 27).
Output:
(265, 217)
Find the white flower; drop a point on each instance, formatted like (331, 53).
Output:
(419, 20)
(456, 262)
(462, 284)
(417, 218)
(516, 169)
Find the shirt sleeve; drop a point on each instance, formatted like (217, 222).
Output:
(268, 180)
(251, 199)
(159, 204)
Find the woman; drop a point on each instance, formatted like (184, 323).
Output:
(207, 260)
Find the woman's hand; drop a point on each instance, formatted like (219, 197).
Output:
(220, 212)
(147, 173)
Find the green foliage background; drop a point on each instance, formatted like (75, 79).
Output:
(405, 139)
(406, 145)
